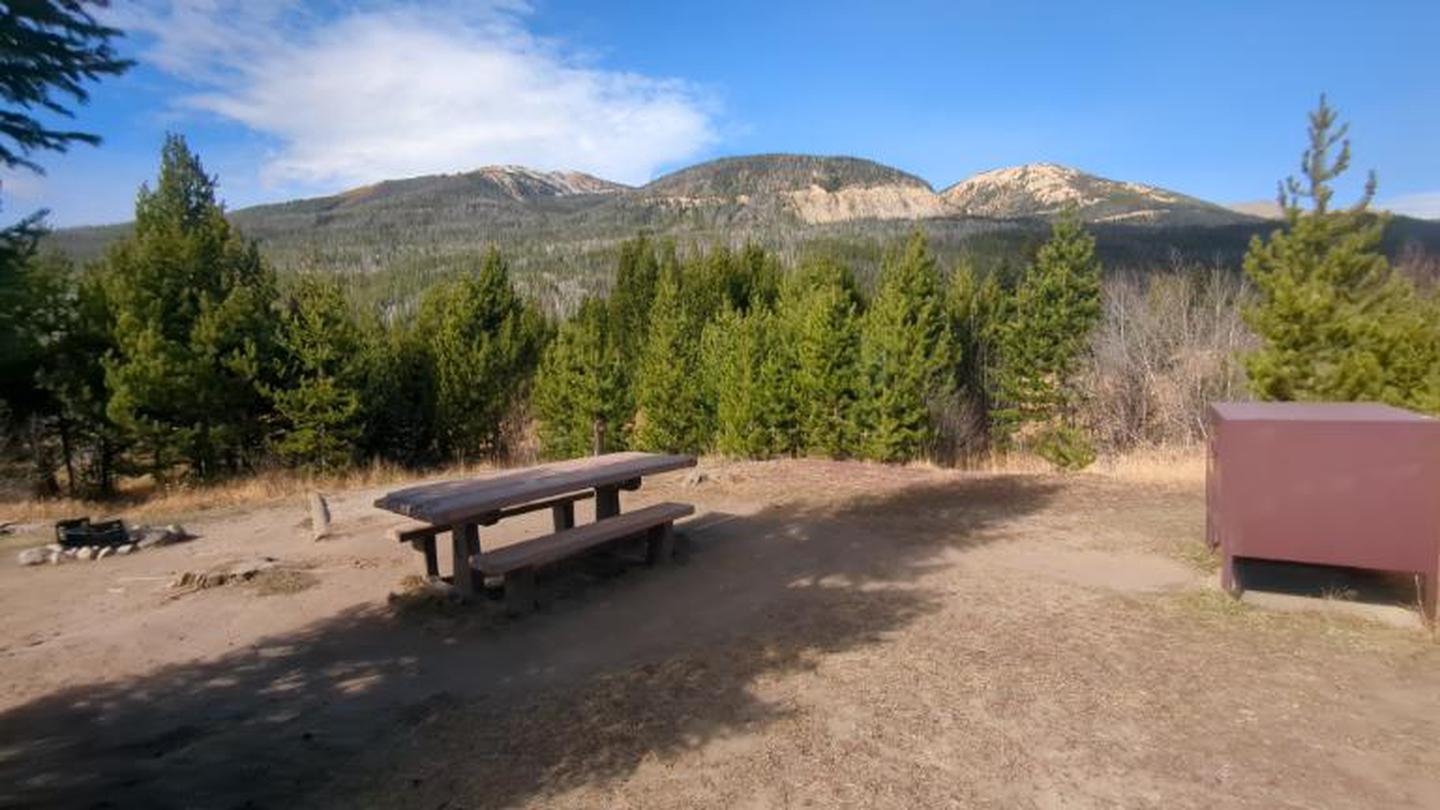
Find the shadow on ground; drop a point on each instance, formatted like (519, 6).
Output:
(1328, 582)
(470, 709)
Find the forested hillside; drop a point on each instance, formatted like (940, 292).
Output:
(700, 313)
(559, 232)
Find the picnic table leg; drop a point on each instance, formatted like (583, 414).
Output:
(607, 502)
(432, 560)
(520, 591)
(464, 541)
(660, 544)
(564, 514)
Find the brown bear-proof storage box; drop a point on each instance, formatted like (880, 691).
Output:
(1348, 484)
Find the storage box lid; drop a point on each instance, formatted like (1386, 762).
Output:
(1312, 412)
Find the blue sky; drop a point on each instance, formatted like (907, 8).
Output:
(284, 99)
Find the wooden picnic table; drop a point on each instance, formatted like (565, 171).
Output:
(462, 506)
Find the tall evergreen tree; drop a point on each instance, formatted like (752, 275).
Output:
(1335, 321)
(974, 306)
(322, 378)
(672, 412)
(904, 353)
(749, 365)
(484, 342)
(578, 385)
(399, 397)
(822, 308)
(62, 336)
(49, 50)
(630, 300)
(628, 326)
(193, 312)
(1046, 332)
(21, 295)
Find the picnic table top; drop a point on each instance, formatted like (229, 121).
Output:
(447, 502)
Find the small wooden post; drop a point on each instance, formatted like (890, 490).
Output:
(319, 516)
(598, 437)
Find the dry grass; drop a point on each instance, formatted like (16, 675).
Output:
(283, 581)
(140, 499)
(1198, 555)
(1184, 464)
(1218, 610)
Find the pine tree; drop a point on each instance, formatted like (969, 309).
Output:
(974, 307)
(484, 343)
(193, 312)
(778, 402)
(1335, 321)
(319, 400)
(628, 326)
(821, 307)
(748, 364)
(64, 336)
(578, 385)
(634, 292)
(672, 412)
(1045, 333)
(49, 49)
(20, 297)
(904, 353)
(399, 394)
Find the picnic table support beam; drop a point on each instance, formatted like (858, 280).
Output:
(426, 544)
(464, 541)
(607, 502)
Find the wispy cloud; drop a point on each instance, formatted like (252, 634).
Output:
(356, 94)
(1425, 205)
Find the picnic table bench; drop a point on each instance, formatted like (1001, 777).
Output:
(461, 507)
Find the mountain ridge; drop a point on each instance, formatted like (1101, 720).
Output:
(559, 229)
(1045, 190)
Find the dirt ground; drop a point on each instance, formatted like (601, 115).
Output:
(833, 634)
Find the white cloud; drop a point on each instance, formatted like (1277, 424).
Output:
(391, 90)
(1425, 205)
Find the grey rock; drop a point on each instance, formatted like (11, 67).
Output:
(104, 552)
(33, 556)
(152, 536)
(121, 551)
(85, 553)
(56, 558)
